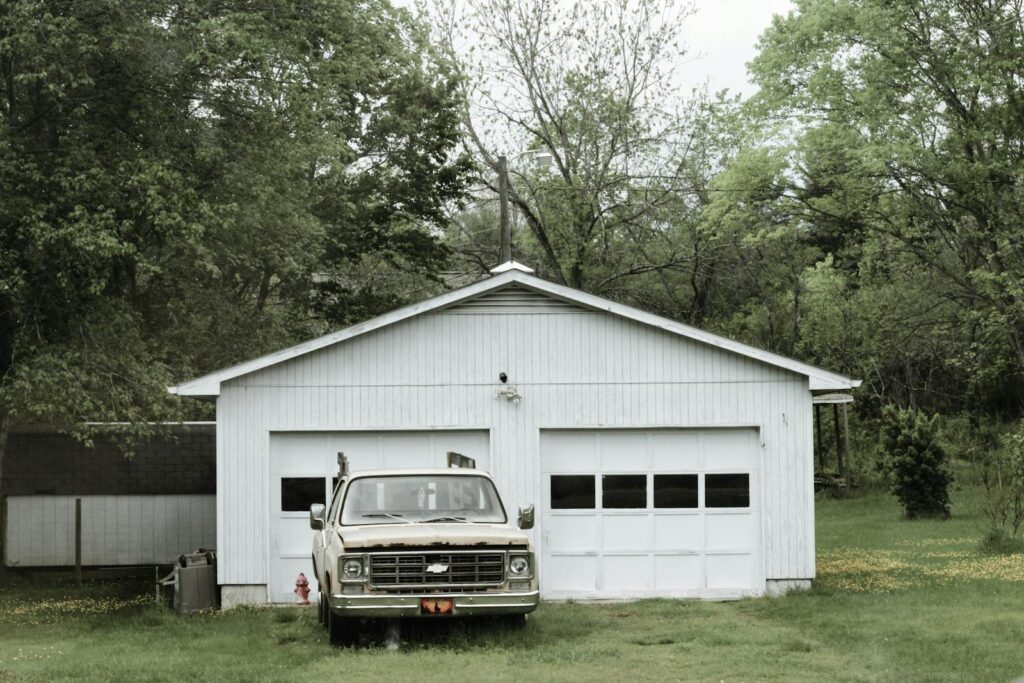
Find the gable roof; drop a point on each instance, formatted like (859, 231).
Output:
(506, 275)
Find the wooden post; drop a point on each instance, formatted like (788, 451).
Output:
(845, 471)
(506, 228)
(78, 542)
(3, 530)
(817, 438)
(840, 465)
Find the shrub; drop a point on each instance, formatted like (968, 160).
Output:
(1003, 479)
(865, 451)
(999, 542)
(914, 462)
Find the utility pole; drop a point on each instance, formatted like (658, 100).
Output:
(506, 229)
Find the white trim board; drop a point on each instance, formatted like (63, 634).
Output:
(208, 386)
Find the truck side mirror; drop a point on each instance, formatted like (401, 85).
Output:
(317, 513)
(526, 517)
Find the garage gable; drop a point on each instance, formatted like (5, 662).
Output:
(513, 289)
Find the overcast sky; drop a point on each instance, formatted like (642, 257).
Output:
(722, 36)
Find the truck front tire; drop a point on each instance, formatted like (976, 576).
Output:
(513, 622)
(342, 631)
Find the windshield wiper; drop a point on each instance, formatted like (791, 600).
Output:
(389, 516)
(446, 519)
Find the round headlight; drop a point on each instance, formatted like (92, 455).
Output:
(519, 565)
(352, 568)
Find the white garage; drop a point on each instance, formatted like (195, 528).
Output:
(663, 460)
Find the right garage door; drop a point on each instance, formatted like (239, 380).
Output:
(630, 513)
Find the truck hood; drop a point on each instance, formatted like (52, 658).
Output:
(440, 535)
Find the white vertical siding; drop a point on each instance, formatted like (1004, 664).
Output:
(573, 368)
(116, 530)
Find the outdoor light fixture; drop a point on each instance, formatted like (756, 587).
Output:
(510, 393)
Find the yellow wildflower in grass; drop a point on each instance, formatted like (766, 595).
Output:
(52, 610)
(947, 554)
(999, 567)
(870, 583)
(928, 542)
(861, 570)
(856, 561)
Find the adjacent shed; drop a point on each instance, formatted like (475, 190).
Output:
(141, 510)
(663, 460)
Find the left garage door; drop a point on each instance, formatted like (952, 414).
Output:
(303, 467)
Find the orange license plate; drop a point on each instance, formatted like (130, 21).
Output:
(437, 607)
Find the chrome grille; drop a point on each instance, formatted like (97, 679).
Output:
(449, 569)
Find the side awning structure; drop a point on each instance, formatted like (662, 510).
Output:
(841, 477)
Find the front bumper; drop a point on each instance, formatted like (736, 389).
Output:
(408, 605)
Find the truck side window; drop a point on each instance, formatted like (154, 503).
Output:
(335, 498)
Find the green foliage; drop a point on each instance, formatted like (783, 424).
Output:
(187, 185)
(1003, 480)
(588, 87)
(915, 463)
(904, 122)
(999, 542)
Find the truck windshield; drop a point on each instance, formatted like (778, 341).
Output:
(415, 499)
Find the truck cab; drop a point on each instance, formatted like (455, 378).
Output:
(424, 543)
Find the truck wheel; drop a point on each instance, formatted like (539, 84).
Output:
(342, 631)
(513, 622)
(321, 606)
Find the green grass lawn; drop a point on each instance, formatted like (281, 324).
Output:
(895, 601)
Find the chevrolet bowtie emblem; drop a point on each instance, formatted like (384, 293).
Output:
(437, 568)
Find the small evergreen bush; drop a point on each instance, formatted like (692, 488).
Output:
(914, 462)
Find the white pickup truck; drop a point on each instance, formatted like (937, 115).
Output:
(430, 543)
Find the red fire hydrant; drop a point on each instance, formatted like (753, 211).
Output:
(302, 589)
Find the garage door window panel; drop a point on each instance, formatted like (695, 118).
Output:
(624, 491)
(298, 493)
(727, 490)
(675, 491)
(573, 492)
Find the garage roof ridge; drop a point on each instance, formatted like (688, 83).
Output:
(208, 386)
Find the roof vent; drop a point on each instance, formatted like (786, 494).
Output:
(511, 265)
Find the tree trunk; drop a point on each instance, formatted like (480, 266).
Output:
(817, 441)
(7, 332)
(839, 443)
(5, 420)
(796, 315)
(1017, 341)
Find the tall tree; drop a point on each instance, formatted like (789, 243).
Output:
(187, 184)
(928, 103)
(604, 153)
